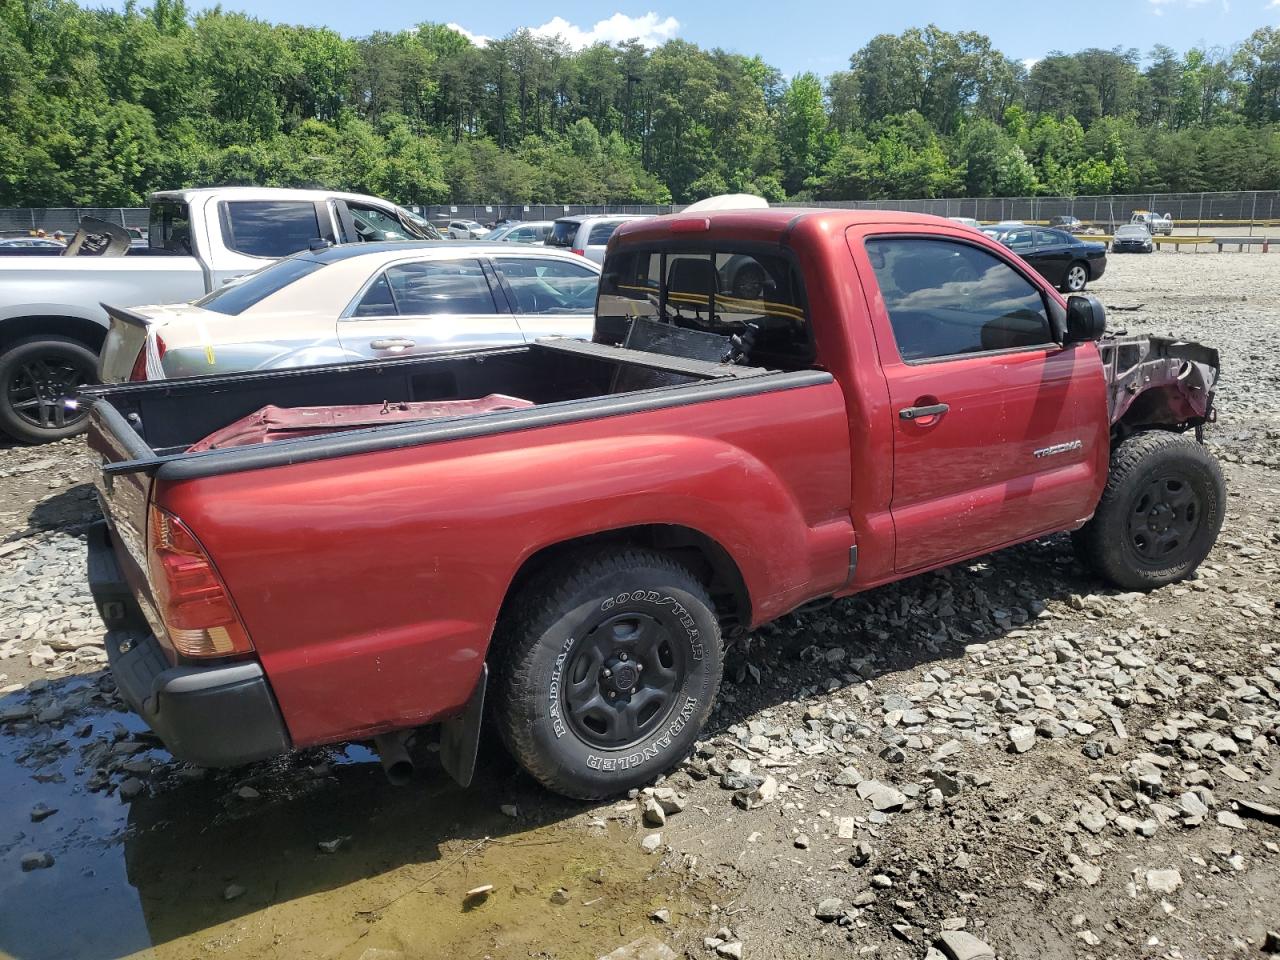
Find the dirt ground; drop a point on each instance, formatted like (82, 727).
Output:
(1007, 749)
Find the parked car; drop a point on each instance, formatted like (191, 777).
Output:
(356, 302)
(1132, 238)
(1154, 223)
(563, 531)
(532, 231)
(1067, 262)
(587, 235)
(52, 323)
(467, 230)
(1067, 223)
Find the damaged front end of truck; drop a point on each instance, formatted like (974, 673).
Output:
(1155, 381)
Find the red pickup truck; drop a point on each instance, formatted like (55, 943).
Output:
(778, 406)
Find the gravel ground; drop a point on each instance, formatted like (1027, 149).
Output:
(1005, 757)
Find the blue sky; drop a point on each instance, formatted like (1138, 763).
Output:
(798, 35)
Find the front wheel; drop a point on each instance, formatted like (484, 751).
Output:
(1076, 278)
(1160, 512)
(38, 376)
(607, 667)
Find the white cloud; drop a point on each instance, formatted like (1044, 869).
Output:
(479, 39)
(649, 29)
(1029, 62)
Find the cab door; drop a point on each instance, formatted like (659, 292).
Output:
(999, 433)
(422, 306)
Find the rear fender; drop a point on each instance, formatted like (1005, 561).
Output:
(783, 557)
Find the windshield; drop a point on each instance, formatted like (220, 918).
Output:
(501, 232)
(239, 295)
(1135, 231)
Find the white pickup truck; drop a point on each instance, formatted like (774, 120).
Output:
(1154, 223)
(52, 323)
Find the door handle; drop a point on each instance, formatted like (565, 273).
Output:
(392, 343)
(917, 413)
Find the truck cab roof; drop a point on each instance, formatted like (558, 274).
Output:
(262, 193)
(771, 225)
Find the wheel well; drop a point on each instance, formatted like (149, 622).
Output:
(705, 559)
(88, 332)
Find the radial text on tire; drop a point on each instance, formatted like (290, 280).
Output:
(607, 666)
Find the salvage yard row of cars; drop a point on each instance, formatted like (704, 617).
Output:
(53, 322)
(772, 407)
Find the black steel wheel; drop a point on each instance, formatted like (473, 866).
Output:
(1164, 517)
(621, 679)
(606, 666)
(38, 376)
(1160, 512)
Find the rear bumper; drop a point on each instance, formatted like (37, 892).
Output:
(215, 716)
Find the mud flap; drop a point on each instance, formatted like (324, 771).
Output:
(460, 737)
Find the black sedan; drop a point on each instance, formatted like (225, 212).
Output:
(1065, 261)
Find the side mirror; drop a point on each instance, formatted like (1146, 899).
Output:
(1086, 319)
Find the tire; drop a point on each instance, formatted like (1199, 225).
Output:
(1160, 512)
(1076, 277)
(36, 376)
(567, 678)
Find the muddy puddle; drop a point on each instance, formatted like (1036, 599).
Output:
(151, 877)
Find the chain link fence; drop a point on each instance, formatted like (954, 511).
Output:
(22, 221)
(1192, 213)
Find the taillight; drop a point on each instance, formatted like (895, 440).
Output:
(581, 253)
(193, 603)
(139, 371)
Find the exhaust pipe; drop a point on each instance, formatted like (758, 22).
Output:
(394, 756)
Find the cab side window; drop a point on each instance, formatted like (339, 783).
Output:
(948, 299)
(269, 228)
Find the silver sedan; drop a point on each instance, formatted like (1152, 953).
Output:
(358, 301)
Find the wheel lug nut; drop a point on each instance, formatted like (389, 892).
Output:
(622, 657)
(608, 672)
(612, 694)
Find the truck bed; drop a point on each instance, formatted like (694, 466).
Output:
(150, 427)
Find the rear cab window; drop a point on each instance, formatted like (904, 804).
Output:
(169, 227)
(727, 291)
(269, 228)
(238, 296)
(563, 233)
(949, 299)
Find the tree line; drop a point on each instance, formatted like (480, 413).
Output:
(103, 106)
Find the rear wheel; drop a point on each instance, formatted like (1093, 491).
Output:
(1076, 278)
(1160, 512)
(38, 376)
(607, 668)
